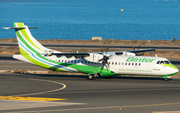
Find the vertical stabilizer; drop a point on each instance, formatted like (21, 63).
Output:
(27, 43)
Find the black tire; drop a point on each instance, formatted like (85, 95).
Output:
(91, 77)
(108, 77)
(166, 79)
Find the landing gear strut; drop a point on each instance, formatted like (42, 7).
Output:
(166, 78)
(91, 77)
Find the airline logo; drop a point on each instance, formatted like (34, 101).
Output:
(135, 59)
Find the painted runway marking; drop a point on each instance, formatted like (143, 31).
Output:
(123, 90)
(30, 98)
(107, 107)
(64, 86)
(148, 105)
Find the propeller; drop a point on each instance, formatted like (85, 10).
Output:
(138, 49)
(105, 58)
(139, 46)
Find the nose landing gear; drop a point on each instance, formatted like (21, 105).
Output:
(166, 78)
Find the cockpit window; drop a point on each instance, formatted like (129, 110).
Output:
(166, 62)
(158, 62)
(162, 62)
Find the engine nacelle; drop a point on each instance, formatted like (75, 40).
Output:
(128, 54)
(94, 57)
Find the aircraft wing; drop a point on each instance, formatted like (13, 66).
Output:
(78, 55)
(68, 55)
(136, 51)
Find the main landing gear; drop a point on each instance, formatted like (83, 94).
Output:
(91, 77)
(166, 79)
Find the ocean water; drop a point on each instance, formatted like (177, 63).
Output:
(84, 19)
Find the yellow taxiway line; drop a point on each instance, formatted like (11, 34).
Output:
(30, 98)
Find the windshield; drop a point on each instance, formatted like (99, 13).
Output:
(163, 62)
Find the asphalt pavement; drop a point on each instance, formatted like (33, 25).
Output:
(119, 94)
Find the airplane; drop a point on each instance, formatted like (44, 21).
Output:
(104, 64)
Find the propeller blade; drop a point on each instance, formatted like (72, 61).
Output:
(139, 46)
(105, 58)
(103, 66)
(134, 49)
(107, 49)
(100, 60)
(102, 50)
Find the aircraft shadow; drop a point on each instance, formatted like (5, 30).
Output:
(99, 78)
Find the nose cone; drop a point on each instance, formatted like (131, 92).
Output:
(172, 68)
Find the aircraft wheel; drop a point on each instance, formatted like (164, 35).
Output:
(166, 79)
(108, 77)
(91, 77)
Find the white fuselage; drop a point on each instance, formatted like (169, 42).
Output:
(128, 65)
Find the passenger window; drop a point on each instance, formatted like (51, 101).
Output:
(119, 63)
(62, 61)
(135, 64)
(112, 63)
(132, 64)
(139, 64)
(129, 64)
(162, 62)
(123, 63)
(109, 62)
(116, 63)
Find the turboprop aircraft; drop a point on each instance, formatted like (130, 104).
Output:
(104, 64)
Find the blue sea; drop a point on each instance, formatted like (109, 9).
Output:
(84, 19)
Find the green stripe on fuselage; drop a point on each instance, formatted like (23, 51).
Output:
(170, 65)
(28, 57)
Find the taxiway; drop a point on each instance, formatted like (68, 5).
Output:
(119, 94)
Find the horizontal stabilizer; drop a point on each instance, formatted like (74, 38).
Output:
(19, 27)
